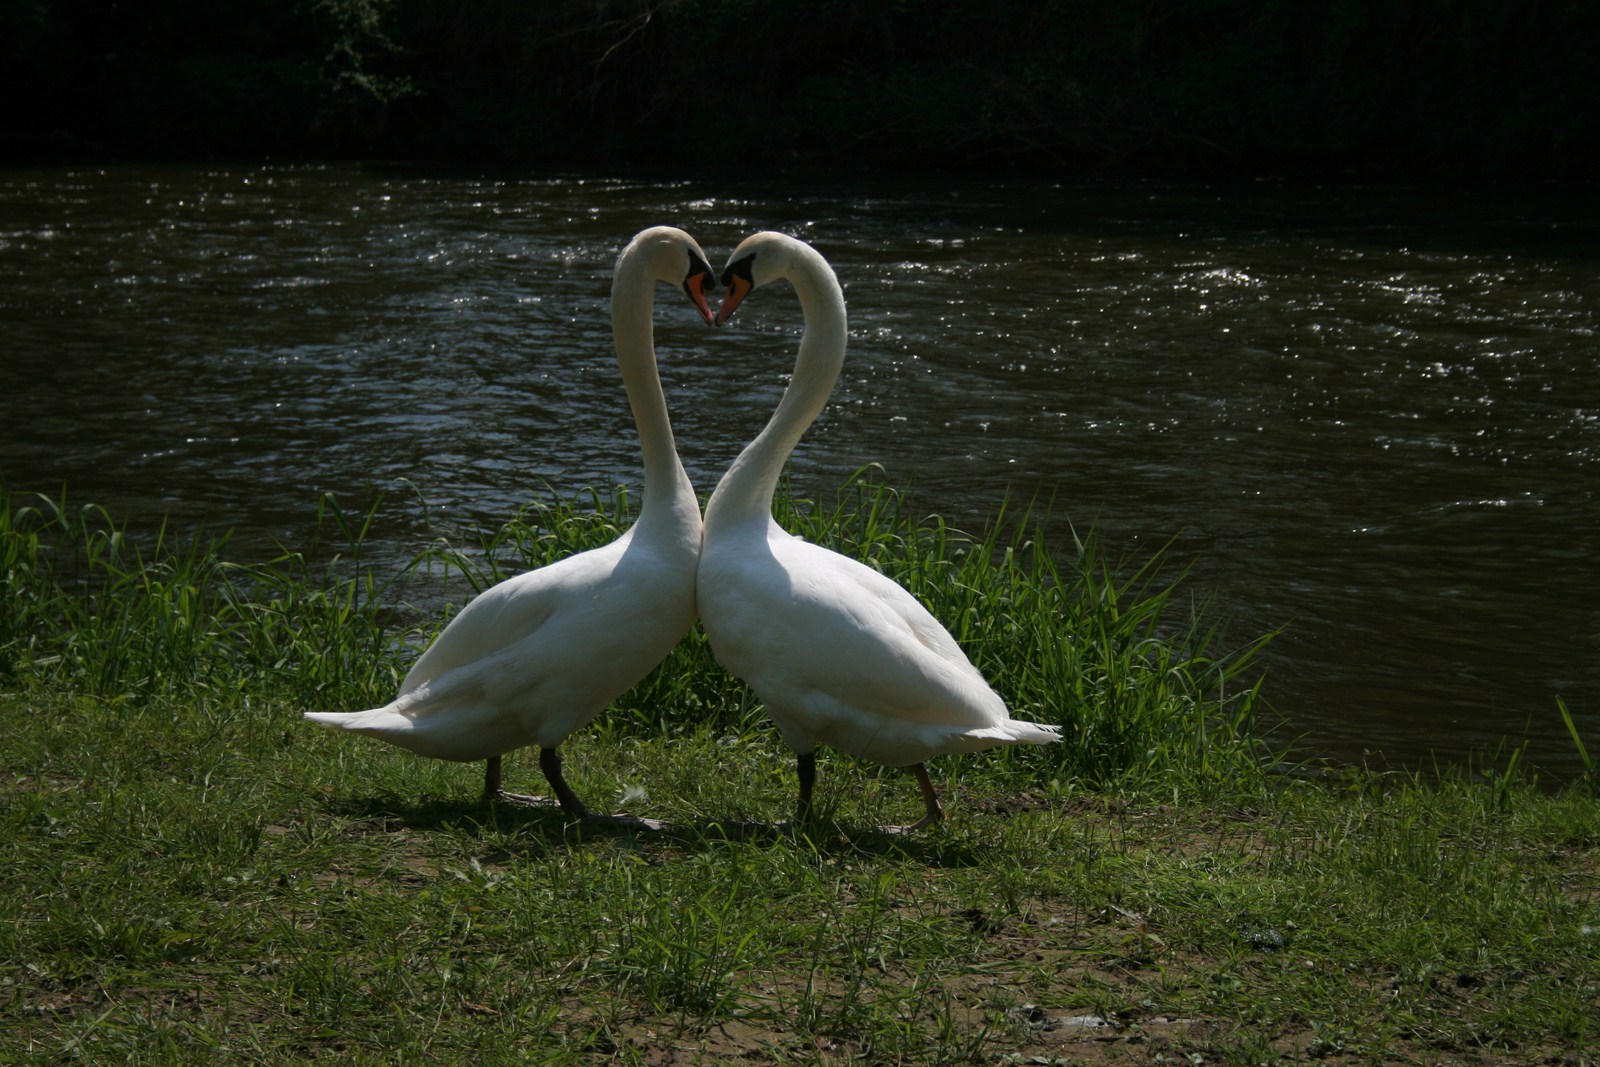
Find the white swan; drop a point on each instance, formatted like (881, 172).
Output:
(538, 656)
(840, 654)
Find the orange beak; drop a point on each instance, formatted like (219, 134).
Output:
(738, 289)
(695, 286)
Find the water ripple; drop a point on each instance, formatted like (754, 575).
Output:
(1370, 417)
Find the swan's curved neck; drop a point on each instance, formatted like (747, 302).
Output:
(746, 490)
(632, 325)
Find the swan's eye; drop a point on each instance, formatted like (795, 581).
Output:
(700, 266)
(743, 268)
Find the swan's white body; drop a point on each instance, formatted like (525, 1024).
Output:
(538, 656)
(841, 655)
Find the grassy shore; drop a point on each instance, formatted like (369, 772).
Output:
(189, 874)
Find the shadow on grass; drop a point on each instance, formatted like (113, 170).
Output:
(472, 818)
(543, 830)
(826, 838)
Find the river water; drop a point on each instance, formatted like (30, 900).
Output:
(1367, 416)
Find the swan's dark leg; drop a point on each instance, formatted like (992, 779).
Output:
(493, 790)
(929, 798)
(805, 766)
(550, 764)
(930, 801)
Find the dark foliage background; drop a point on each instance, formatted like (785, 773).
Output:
(1475, 88)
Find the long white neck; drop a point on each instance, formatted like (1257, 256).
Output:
(746, 490)
(667, 489)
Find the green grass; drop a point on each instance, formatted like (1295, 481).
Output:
(189, 874)
(1140, 689)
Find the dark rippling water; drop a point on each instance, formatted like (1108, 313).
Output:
(1368, 416)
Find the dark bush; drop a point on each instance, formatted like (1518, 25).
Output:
(1382, 87)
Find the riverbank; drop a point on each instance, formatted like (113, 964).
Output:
(193, 875)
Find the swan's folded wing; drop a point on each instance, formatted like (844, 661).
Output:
(835, 631)
(534, 691)
(506, 614)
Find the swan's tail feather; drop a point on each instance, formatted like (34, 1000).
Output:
(375, 721)
(1017, 732)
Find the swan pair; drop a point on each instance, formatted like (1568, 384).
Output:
(839, 654)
